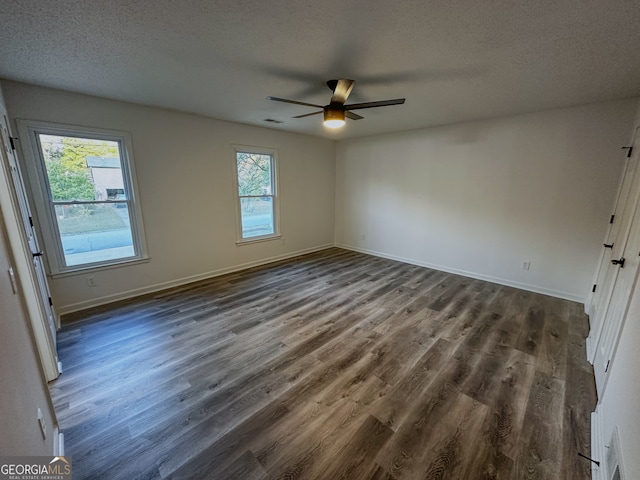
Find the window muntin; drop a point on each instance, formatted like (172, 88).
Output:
(85, 201)
(256, 190)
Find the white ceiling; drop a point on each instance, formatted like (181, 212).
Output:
(454, 60)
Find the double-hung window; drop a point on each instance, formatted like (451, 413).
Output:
(83, 185)
(256, 191)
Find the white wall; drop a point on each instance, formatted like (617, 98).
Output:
(480, 198)
(184, 166)
(22, 385)
(23, 388)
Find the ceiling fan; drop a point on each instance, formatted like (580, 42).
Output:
(336, 111)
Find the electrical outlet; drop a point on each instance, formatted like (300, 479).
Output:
(526, 265)
(41, 422)
(91, 282)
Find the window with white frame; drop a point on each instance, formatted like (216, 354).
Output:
(256, 184)
(83, 185)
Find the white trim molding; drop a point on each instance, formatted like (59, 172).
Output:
(465, 273)
(597, 447)
(96, 302)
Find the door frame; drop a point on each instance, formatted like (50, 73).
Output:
(27, 277)
(618, 306)
(627, 199)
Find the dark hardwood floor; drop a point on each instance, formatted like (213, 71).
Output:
(330, 365)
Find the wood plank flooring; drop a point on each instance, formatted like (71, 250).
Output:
(333, 365)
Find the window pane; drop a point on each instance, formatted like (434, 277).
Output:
(254, 174)
(94, 233)
(257, 216)
(82, 169)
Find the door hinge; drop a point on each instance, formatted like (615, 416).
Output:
(619, 262)
(31, 221)
(608, 245)
(611, 219)
(593, 290)
(50, 302)
(13, 144)
(606, 367)
(629, 150)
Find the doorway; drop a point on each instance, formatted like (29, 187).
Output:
(29, 257)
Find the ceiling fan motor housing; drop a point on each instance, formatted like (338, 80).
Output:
(334, 111)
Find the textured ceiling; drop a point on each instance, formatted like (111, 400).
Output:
(453, 60)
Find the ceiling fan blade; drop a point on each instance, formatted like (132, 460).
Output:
(381, 103)
(308, 114)
(352, 116)
(295, 102)
(342, 90)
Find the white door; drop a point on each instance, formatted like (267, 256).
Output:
(39, 274)
(627, 266)
(613, 248)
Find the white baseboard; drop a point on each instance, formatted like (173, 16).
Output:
(58, 442)
(588, 304)
(465, 273)
(96, 302)
(597, 447)
(591, 349)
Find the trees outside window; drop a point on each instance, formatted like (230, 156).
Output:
(256, 190)
(86, 201)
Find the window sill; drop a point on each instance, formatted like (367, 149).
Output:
(97, 268)
(249, 241)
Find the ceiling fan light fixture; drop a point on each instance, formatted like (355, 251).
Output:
(336, 112)
(333, 118)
